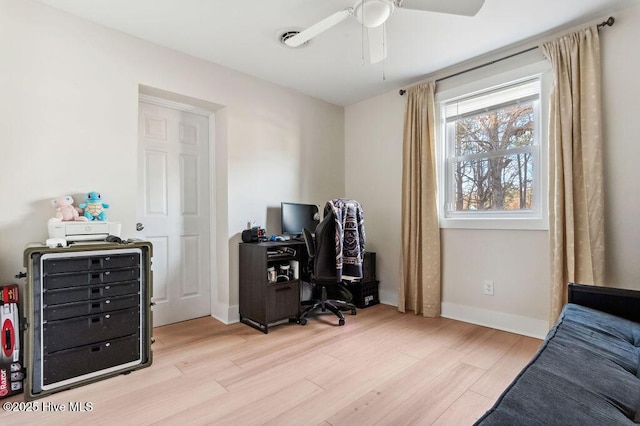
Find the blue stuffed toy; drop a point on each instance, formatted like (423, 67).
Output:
(93, 207)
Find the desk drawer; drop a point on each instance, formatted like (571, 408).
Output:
(282, 300)
(88, 359)
(68, 333)
(90, 307)
(53, 281)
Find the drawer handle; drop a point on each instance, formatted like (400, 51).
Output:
(107, 301)
(95, 305)
(107, 272)
(95, 290)
(95, 276)
(95, 349)
(107, 316)
(96, 319)
(107, 258)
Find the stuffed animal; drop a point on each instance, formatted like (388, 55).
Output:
(65, 210)
(93, 207)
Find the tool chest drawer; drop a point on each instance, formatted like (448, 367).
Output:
(78, 361)
(76, 279)
(77, 294)
(90, 307)
(73, 264)
(89, 329)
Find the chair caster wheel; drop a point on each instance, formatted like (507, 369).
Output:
(341, 322)
(353, 312)
(303, 321)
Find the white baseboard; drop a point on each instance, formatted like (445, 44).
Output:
(499, 320)
(226, 314)
(526, 326)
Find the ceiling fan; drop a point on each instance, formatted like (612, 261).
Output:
(372, 14)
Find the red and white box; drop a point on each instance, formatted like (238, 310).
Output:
(11, 371)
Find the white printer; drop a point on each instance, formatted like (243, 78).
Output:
(60, 233)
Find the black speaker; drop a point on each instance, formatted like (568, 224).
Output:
(369, 267)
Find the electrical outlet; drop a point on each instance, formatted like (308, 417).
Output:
(487, 287)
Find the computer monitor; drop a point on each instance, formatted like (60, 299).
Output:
(296, 216)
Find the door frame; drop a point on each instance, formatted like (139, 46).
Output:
(212, 278)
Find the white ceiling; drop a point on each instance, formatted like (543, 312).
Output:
(243, 35)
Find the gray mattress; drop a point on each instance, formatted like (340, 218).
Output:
(585, 373)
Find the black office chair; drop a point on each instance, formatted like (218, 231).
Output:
(322, 256)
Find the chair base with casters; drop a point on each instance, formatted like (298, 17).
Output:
(324, 304)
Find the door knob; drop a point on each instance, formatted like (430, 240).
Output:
(139, 226)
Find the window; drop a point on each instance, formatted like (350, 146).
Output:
(491, 159)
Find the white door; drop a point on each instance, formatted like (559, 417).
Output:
(173, 207)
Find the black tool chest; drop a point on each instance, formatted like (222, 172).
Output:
(88, 314)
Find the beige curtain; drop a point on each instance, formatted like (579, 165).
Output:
(576, 205)
(419, 288)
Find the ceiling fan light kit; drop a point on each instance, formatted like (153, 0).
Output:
(374, 13)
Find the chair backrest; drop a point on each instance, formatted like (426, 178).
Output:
(308, 240)
(324, 263)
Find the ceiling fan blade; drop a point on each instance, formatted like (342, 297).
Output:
(377, 37)
(320, 27)
(454, 7)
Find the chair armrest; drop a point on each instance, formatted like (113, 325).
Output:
(616, 301)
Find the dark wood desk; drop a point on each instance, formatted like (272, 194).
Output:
(263, 302)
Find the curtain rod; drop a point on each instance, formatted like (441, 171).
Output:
(608, 23)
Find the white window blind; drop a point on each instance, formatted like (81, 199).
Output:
(495, 98)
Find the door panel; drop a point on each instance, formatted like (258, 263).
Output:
(173, 201)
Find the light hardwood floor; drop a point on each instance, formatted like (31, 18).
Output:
(383, 367)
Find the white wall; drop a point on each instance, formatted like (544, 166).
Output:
(373, 170)
(620, 90)
(517, 261)
(68, 124)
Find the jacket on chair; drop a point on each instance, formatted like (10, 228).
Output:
(350, 236)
